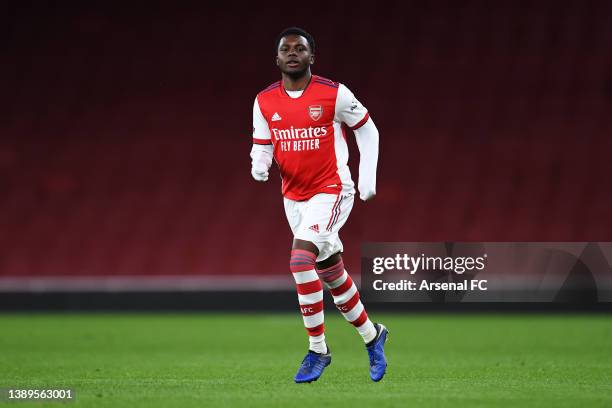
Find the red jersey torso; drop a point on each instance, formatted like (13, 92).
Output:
(307, 135)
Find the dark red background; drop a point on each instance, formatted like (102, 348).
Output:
(125, 130)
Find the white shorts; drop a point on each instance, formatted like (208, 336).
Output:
(319, 220)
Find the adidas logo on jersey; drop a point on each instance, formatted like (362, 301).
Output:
(315, 228)
(276, 117)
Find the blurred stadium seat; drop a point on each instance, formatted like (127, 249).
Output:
(125, 136)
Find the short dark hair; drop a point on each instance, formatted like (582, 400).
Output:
(296, 31)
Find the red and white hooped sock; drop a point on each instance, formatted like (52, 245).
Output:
(310, 296)
(346, 298)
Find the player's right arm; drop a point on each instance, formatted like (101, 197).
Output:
(262, 150)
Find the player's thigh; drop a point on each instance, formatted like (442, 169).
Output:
(323, 217)
(334, 244)
(341, 212)
(293, 212)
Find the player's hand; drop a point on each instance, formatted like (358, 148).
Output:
(367, 195)
(260, 175)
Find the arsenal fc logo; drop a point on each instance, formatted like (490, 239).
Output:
(315, 112)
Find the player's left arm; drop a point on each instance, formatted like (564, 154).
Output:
(350, 111)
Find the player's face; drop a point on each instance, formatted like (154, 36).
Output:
(294, 56)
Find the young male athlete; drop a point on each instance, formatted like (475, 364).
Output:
(299, 121)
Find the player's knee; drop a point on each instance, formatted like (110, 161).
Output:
(331, 269)
(331, 261)
(302, 260)
(305, 245)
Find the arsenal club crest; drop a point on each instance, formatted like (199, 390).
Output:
(315, 112)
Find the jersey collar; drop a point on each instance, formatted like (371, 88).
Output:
(308, 86)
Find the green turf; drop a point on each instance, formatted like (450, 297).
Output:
(226, 360)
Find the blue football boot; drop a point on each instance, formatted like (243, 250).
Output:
(376, 351)
(312, 366)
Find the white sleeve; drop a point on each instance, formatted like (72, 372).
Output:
(349, 110)
(367, 142)
(261, 131)
(262, 150)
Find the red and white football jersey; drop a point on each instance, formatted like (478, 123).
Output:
(308, 136)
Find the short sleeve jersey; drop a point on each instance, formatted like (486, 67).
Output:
(308, 135)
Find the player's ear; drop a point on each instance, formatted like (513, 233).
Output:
(277, 61)
(312, 59)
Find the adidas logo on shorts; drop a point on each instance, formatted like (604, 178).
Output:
(315, 228)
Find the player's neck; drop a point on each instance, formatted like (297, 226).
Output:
(296, 84)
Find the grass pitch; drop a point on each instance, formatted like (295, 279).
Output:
(227, 360)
